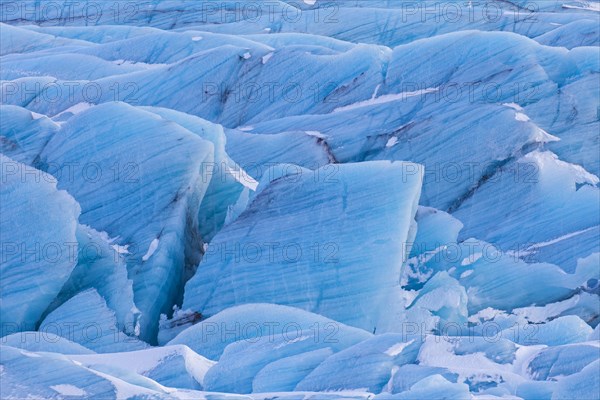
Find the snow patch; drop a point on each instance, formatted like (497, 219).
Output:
(266, 58)
(376, 91)
(397, 348)
(543, 314)
(30, 354)
(35, 115)
(471, 259)
(521, 117)
(533, 248)
(588, 6)
(392, 142)
(541, 135)
(243, 178)
(316, 134)
(514, 106)
(466, 274)
(390, 385)
(545, 137)
(125, 390)
(121, 249)
(388, 98)
(151, 249)
(487, 314)
(138, 63)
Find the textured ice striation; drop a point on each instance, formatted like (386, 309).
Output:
(35, 262)
(359, 199)
(307, 236)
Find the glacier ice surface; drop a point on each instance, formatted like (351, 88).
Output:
(161, 171)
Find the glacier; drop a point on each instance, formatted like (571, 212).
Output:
(310, 199)
(250, 262)
(49, 251)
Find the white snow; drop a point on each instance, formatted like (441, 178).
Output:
(310, 2)
(523, 356)
(392, 142)
(121, 249)
(387, 98)
(376, 91)
(76, 109)
(316, 134)
(35, 115)
(475, 366)
(521, 117)
(428, 255)
(30, 354)
(151, 249)
(68, 390)
(390, 385)
(514, 106)
(543, 158)
(138, 63)
(266, 58)
(245, 128)
(588, 6)
(543, 314)
(125, 390)
(471, 259)
(545, 137)
(142, 361)
(466, 274)
(397, 348)
(247, 55)
(196, 38)
(487, 314)
(243, 177)
(542, 135)
(533, 248)
(408, 296)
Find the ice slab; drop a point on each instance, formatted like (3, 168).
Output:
(249, 322)
(368, 365)
(316, 261)
(148, 203)
(23, 134)
(172, 366)
(39, 246)
(87, 320)
(39, 341)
